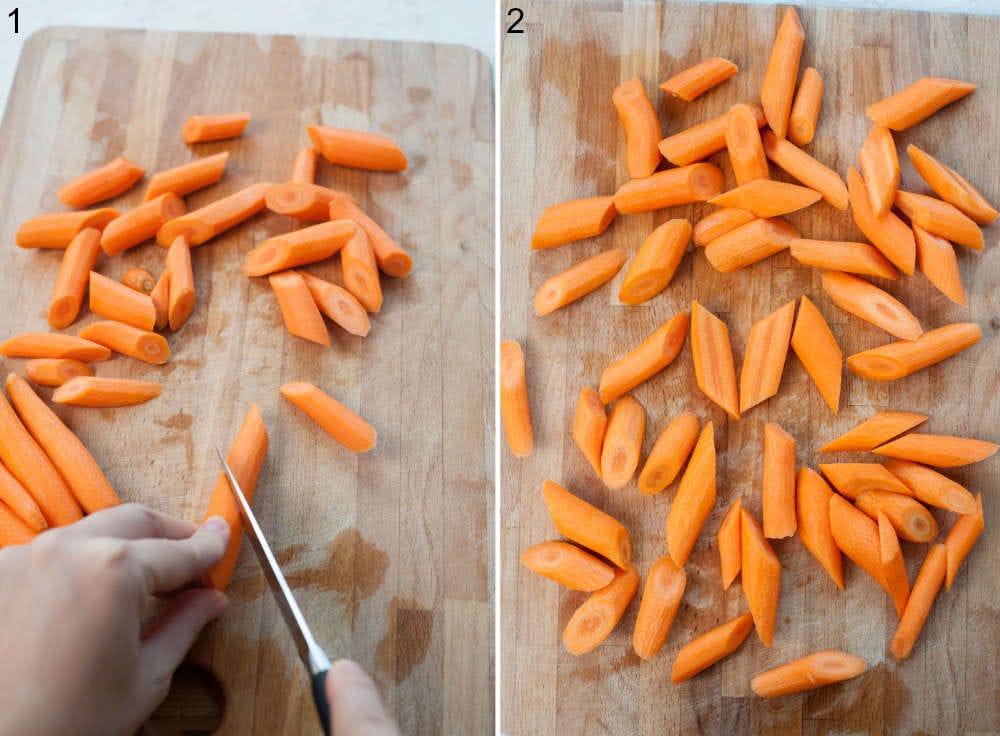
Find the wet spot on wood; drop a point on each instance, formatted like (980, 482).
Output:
(179, 421)
(409, 630)
(418, 95)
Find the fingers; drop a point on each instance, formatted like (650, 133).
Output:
(130, 521)
(355, 703)
(169, 564)
(168, 639)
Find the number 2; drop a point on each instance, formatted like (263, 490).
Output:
(512, 28)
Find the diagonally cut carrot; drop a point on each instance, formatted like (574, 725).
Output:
(695, 81)
(875, 431)
(19, 502)
(917, 102)
(887, 233)
(761, 573)
(805, 108)
(574, 220)
(893, 566)
(622, 442)
(713, 359)
(568, 565)
(78, 261)
(940, 218)
(128, 340)
(750, 243)
(808, 673)
(202, 128)
(298, 309)
(879, 166)
(357, 149)
(764, 361)
(106, 392)
(670, 451)
(53, 345)
(701, 141)
(961, 538)
(587, 525)
(951, 186)
(56, 231)
(778, 88)
(645, 360)
(189, 177)
(334, 418)
(114, 300)
(515, 410)
(899, 359)
(936, 259)
(719, 223)
(806, 169)
(597, 617)
(918, 606)
(359, 267)
(103, 183)
(55, 371)
(181, 298)
(589, 426)
(911, 520)
(768, 198)
(939, 450)
(299, 247)
(812, 507)
(778, 494)
(853, 479)
(578, 280)
(338, 304)
(300, 200)
(682, 185)
(660, 600)
(656, 262)
(930, 487)
(213, 219)
(856, 536)
(865, 300)
(304, 166)
(817, 348)
(694, 499)
(730, 541)
(160, 295)
(642, 128)
(835, 255)
(746, 152)
(392, 259)
(702, 652)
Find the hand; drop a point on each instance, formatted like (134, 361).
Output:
(355, 706)
(75, 658)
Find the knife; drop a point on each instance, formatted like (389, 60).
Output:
(311, 653)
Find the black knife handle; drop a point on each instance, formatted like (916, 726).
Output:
(322, 704)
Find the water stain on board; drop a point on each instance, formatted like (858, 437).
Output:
(180, 425)
(418, 95)
(409, 630)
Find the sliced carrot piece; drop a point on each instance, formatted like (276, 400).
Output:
(587, 525)
(940, 218)
(116, 301)
(514, 407)
(670, 451)
(161, 300)
(578, 280)
(887, 233)
(875, 431)
(961, 538)
(56, 231)
(568, 565)
(761, 573)
(778, 495)
(694, 499)
(835, 255)
(622, 442)
(338, 304)
(656, 262)
(857, 537)
(304, 166)
(805, 109)
(817, 348)
(139, 279)
(713, 359)
(767, 198)
(642, 127)
(930, 487)
(189, 177)
(645, 360)
(939, 450)
(812, 506)
(719, 223)
(360, 270)
(806, 169)
(918, 605)
(695, 81)
(750, 243)
(893, 566)
(746, 152)
(702, 652)
(334, 418)
(106, 182)
(182, 296)
(778, 88)
(574, 220)
(808, 673)
(764, 361)
(951, 186)
(917, 102)
(128, 340)
(53, 345)
(589, 426)
(597, 617)
(682, 185)
(303, 201)
(899, 359)
(853, 479)
(213, 219)
(865, 300)
(78, 261)
(203, 128)
(730, 544)
(660, 600)
(356, 149)
(936, 258)
(13, 530)
(299, 247)
(879, 166)
(19, 503)
(911, 520)
(55, 371)
(392, 259)
(106, 392)
(298, 309)
(701, 141)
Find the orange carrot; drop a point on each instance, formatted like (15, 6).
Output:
(304, 166)
(18, 502)
(701, 141)
(898, 359)
(622, 442)
(203, 128)
(930, 487)
(189, 177)
(578, 280)
(702, 652)
(719, 223)
(128, 340)
(936, 258)
(917, 102)
(669, 453)
(767, 198)
(392, 260)
(360, 271)
(574, 220)
(761, 573)
(911, 520)
(778, 495)
(357, 149)
(961, 538)
(106, 182)
(879, 166)
(893, 566)
(338, 304)
(730, 544)
(116, 301)
(853, 479)
(334, 418)
(53, 345)
(749, 243)
(806, 169)
(12, 529)
(746, 152)
(181, 298)
(299, 247)
(940, 218)
(805, 109)
(856, 536)
(695, 81)
(835, 255)
(74, 273)
(918, 606)
(778, 88)
(642, 128)
(694, 499)
(808, 673)
(713, 359)
(56, 231)
(865, 300)
(213, 219)
(938, 450)
(656, 262)
(951, 186)
(161, 300)
(875, 431)
(298, 309)
(812, 506)
(887, 233)
(106, 392)
(594, 621)
(303, 201)
(245, 459)
(568, 565)
(589, 426)
(817, 348)
(139, 279)
(764, 360)
(515, 409)
(587, 525)
(55, 371)
(660, 600)
(647, 359)
(683, 185)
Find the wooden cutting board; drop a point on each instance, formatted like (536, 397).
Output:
(562, 140)
(389, 552)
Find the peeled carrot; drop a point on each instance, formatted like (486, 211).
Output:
(701, 141)
(139, 279)
(713, 359)
(128, 340)
(764, 361)
(887, 233)
(568, 565)
(670, 451)
(116, 301)
(587, 525)
(749, 244)
(622, 442)
(299, 247)
(730, 544)
(515, 409)
(660, 600)
(55, 371)
(161, 300)
(106, 182)
(303, 201)
(879, 166)
(19, 503)
(702, 652)
(589, 426)
(56, 231)
(856, 536)
(761, 573)
(12, 529)
(213, 219)
(642, 127)
(203, 128)
(645, 360)
(865, 300)
(938, 450)
(78, 261)
(719, 223)
(578, 280)
(392, 259)
(930, 487)
(898, 359)
(181, 297)
(74, 462)
(574, 220)
(917, 102)
(767, 198)
(940, 218)
(961, 538)
(805, 109)
(656, 262)
(806, 169)
(812, 507)
(694, 499)
(936, 258)
(951, 186)
(808, 673)
(860, 258)
(817, 348)
(875, 431)
(356, 149)
(106, 392)
(911, 520)
(334, 418)
(53, 345)
(338, 304)
(298, 309)
(918, 605)
(189, 177)
(304, 166)
(893, 566)
(853, 479)
(682, 185)
(594, 621)
(746, 152)
(695, 81)
(778, 495)
(360, 270)
(778, 88)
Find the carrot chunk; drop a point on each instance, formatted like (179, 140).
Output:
(301, 200)
(805, 109)
(911, 520)
(622, 442)
(961, 538)
(360, 270)
(128, 340)
(853, 479)
(304, 166)
(940, 218)
(334, 418)
(778, 495)
(865, 300)
(899, 359)
(187, 178)
(936, 258)
(746, 151)
(78, 261)
(887, 233)
(730, 541)
(812, 507)
(939, 450)
(56, 231)
(817, 348)
(514, 407)
(578, 280)
(951, 186)
(856, 536)
(587, 525)
(702, 652)
(161, 300)
(357, 149)
(767, 198)
(719, 223)
(670, 451)
(298, 309)
(682, 185)
(893, 566)
(695, 81)
(701, 141)
(930, 487)
(778, 88)
(713, 359)
(918, 605)
(106, 392)
(568, 565)
(103, 183)
(141, 224)
(642, 128)
(139, 279)
(764, 361)
(114, 300)
(917, 102)
(835, 255)
(299, 247)
(808, 673)
(181, 296)
(213, 219)
(879, 166)
(338, 304)
(694, 499)
(53, 345)
(660, 600)
(644, 361)
(202, 128)
(875, 431)
(597, 617)
(392, 259)
(574, 220)
(590, 423)
(806, 169)
(761, 573)
(55, 371)
(750, 243)
(656, 262)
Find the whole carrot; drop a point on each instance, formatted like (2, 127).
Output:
(19, 502)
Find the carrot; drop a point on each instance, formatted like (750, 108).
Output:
(53, 345)
(695, 81)
(645, 360)
(670, 188)
(515, 409)
(670, 451)
(930, 487)
(719, 223)
(78, 261)
(918, 606)
(879, 166)
(660, 600)
(887, 233)
(865, 300)
(730, 544)
(702, 652)
(853, 479)
(578, 280)
(940, 218)
(622, 442)
(597, 617)
(298, 309)
(746, 152)
(764, 361)
(128, 340)
(761, 573)
(749, 243)
(778, 495)
(951, 186)
(767, 198)
(808, 673)
(360, 270)
(936, 258)
(713, 359)
(961, 538)
(574, 220)
(245, 458)
(299, 247)
(917, 102)
(187, 178)
(304, 166)
(860, 258)
(938, 450)
(817, 348)
(337, 420)
(161, 300)
(812, 507)
(338, 304)
(55, 371)
(56, 231)
(805, 109)
(12, 529)
(587, 525)
(856, 536)
(303, 201)
(139, 279)
(912, 521)
(642, 128)
(875, 431)
(106, 182)
(74, 462)
(357, 149)
(568, 565)
(116, 301)
(213, 219)
(656, 262)
(899, 359)
(893, 566)
(203, 128)
(106, 392)
(694, 499)
(27, 462)
(181, 295)
(778, 88)
(392, 260)
(701, 141)
(806, 169)
(19, 503)
(589, 426)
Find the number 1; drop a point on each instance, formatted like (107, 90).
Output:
(13, 14)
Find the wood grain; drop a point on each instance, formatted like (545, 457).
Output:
(390, 553)
(562, 140)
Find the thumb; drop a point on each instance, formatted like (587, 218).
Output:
(355, 704)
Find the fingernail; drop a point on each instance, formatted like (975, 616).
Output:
(216, 524)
